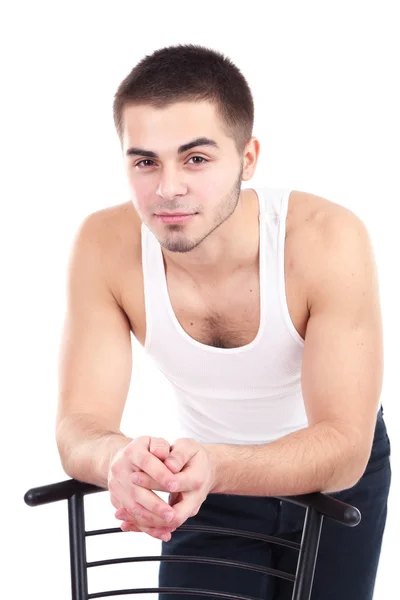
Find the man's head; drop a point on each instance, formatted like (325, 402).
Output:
(184, 116)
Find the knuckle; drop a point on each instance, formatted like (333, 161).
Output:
(141, 443)
(151, 522)
(176, 459)
(159, 509)
(114, 501)
(142, 460)
(160, 448)
(115, 469)
(157, 442)
(136, 475)
(130, 507)
(127, 451)
(180, 457)
(167, 481)
(145, 521)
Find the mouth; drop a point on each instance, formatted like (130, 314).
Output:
(174, 217)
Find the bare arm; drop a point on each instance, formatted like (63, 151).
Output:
(95, 364)
(342, 375)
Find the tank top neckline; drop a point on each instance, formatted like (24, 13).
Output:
(262, 296)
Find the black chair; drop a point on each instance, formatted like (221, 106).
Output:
(317, 507)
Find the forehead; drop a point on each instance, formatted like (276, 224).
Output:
(169, 126)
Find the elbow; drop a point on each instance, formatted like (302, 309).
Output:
(359, 466)
(351, 459)
(63, 442)
(64, 455)
(347, 474)
(356, 463)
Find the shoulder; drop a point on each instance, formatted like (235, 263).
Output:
(110, 239)
(112, 228)
(112, 219)
(332, 240)
(317, 213)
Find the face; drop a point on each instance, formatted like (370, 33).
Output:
(184, 171)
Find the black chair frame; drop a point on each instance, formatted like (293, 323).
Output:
(317, 507)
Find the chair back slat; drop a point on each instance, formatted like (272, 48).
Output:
(308, 555)
(77, 547)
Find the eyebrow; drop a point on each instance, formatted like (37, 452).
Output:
(200, 141)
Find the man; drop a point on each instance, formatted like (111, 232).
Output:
(262, 309)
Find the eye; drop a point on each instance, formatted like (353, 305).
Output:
(203, 160)
(141, 164)
(146, 160)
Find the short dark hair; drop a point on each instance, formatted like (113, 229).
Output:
(189, 73)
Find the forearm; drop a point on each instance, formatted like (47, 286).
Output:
(318, 458)
(86, 448)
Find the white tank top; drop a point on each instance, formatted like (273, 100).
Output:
(247, 395)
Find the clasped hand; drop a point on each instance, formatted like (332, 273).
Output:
(149, 463)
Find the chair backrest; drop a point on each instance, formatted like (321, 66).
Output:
(317, 507)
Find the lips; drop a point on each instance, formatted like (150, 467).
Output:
(175, 217)
(174, 214)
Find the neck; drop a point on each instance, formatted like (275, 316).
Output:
(233, 247)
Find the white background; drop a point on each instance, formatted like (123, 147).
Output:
(325, 81)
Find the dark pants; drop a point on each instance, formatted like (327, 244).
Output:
(347, 559)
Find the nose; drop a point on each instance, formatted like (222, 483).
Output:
(171, 184)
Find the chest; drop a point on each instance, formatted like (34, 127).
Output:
(226, 315)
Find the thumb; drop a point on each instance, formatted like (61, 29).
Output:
(159, 447)
(172, 465)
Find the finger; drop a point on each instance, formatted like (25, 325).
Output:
(156, 532)
(159, 447)
(121, 497)
(152, 503)
(143, 517)
(144, 480)
(128, 526)
(148, 463)
(141, 526)
(181, 452)
(131, 502)
(186, 506)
